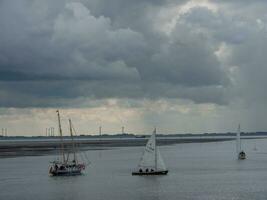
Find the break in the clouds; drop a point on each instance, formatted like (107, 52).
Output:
(69, 53)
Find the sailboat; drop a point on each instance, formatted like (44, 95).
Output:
(240, 153)
(151, 162)
(66, 166)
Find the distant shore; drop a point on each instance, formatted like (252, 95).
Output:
(38, 147)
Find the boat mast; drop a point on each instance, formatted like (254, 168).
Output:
(61, 138)
(156, 159)
(238, 140)
(100, 131)
(240, 145)
(72, 140)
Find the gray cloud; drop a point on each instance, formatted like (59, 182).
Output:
(57, 53)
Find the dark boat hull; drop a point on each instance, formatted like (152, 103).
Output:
(242, 155)
(65, 173)
(165, 172)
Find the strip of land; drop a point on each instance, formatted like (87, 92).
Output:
(15, 148)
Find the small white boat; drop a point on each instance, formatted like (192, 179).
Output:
(66, 167)
(240, 153)
(151, 162)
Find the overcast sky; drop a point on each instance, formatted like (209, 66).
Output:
(182, 66)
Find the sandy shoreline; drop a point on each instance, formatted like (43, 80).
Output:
(11, 148)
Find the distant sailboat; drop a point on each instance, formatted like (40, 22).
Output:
(151, 162)
(66, 167)
(240, 153)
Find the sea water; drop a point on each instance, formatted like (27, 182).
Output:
(202, 171)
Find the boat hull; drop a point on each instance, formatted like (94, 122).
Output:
(66, 173)
(165, 172)
(65, 170)
(242, 156)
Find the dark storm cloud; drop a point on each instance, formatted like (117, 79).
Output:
(55, 52)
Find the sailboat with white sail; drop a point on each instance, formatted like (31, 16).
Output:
(151, 162)
(66, 166)
(240, 153)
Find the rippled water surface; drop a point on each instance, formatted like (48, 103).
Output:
(196, 171)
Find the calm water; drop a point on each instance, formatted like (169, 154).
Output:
(197, 171)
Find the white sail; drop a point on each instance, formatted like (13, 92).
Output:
(238, 141)
(151, 158)
(160, 162)
(148, 158)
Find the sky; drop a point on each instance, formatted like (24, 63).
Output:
(183, 66)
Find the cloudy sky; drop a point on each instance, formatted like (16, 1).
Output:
(181, 65)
